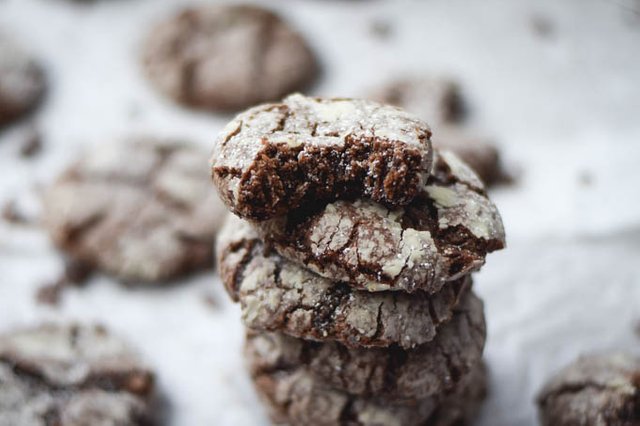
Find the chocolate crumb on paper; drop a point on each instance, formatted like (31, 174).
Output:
(31, 144)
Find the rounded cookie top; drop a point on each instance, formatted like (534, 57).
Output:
(71, 374)
(142, 210)
(227, 57)
(22, 81)
(595, 389)
(275, 158)
(279, 295)
(395, 373)
(442, 235)
(293, 395)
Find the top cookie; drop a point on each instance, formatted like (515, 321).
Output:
(22, 81)
(443, 234)
(594, 390)
(142, 210)
(275, 158)
(227, 57)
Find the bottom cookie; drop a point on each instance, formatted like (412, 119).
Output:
(295, 397)
(72, 376)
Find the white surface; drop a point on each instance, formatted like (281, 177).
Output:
(560, 107)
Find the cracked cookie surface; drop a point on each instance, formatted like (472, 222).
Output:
(141, 210)
(294, 396)
(601, 389)
(442, 235)
(71, 375)
(278, 295)
(274, 158)
(392, 372)
(22, 81)
(227, 57)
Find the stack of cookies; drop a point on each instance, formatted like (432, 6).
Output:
(350, 255)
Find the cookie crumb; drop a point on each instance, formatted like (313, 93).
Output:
(77, 273)
(51, 293)
(12, 214)
(585, 178)
(542, 26)
(381, 29)
(210, 301)
(31, 144)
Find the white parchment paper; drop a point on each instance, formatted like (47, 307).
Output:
(564, 107)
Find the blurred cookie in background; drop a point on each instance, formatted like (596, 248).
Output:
(478, 152)
(141, 210)
(439, 101)
(601, 389)
(72, 375)
(22, 81)
(436, 100)
(227, 57)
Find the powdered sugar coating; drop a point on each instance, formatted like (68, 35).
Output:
(22, 80)
(142, 210)
(278, 295)
(276, 157)
(441, 236)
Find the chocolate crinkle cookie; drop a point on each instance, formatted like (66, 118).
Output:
(351, 257)
(22, 81)
(393, 372)
(275, 158)
(276, 294)
(141, 210)
(227, 57)
(601, 389)
(442, 235)
(72, 375)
